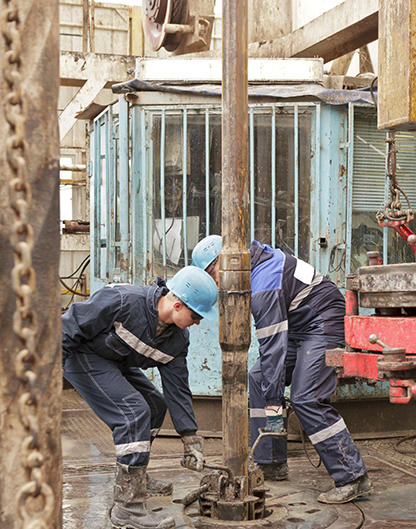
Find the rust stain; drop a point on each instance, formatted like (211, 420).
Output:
(205, 365)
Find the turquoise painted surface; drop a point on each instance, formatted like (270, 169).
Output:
(204, 360)
(361, 390)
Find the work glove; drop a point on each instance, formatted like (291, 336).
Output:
(274, 422)
(193, 458)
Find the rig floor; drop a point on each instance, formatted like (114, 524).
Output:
(89, 464)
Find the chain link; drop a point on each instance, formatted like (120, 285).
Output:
(23, 279)
(393, 209)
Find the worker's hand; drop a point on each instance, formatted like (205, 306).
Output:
(192, 452)
(274, 421)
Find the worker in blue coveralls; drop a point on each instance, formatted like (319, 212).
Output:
(107, 341)
(298, 314)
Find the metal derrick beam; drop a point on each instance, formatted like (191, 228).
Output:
(343, 29)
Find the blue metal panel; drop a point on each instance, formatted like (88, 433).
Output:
(330, 199)
(361, 390)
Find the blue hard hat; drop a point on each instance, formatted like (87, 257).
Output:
(196, 289)
(206, 251)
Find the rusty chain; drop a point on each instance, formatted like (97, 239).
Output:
(393, 209)
(23, 278)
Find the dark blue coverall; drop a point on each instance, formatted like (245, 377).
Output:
(107, 342)
(298, 314)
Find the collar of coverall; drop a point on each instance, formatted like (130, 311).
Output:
(259, 253)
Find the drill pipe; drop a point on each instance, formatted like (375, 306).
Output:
(234, 278)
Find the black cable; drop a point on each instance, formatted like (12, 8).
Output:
(77, 282)
(75, 271)
(361, 524)
(69, 289)
(372, 90)
(400, 441)
(304, 446)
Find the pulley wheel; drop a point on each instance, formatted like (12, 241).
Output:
(160, 12)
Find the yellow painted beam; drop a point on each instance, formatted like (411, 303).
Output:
(397, 65)
(136, 32)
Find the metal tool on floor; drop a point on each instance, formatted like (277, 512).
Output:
(223, 496)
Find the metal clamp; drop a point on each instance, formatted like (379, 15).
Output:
(402, 391)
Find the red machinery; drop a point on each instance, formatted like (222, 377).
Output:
(383, 345)
(391, 290)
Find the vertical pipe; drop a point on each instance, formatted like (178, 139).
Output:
(108, 204)
(185, 185)
(143, 187)
(386, 199)
(350, 183)
(124, 201)
(162, 190)
(96, 211)
(136, 198)
(111, 191)
(252, 207)
(150, 211)
(273, 182)
(207, 213)
(317, 223)
(296, 183)
(234, 280)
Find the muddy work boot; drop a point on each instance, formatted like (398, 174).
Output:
(274, 471)
(158, 487)
(129, 509)
(359, 488)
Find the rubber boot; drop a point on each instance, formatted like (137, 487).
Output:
(274, 471)
(359, 488)
(158, 487)
(129, 509)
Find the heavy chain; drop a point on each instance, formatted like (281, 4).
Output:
(393, 209)
(23, 279)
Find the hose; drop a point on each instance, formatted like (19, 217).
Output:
(75, 271)
(302, 437)
(402, 440)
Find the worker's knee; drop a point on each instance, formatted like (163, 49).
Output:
(160, 412)
(302, 404)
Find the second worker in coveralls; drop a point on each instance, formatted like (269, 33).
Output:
(107, 342)
(298, 314)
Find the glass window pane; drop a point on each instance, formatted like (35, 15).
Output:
(170, 181)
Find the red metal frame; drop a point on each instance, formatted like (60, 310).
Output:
(400, 331)
(370, 361)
